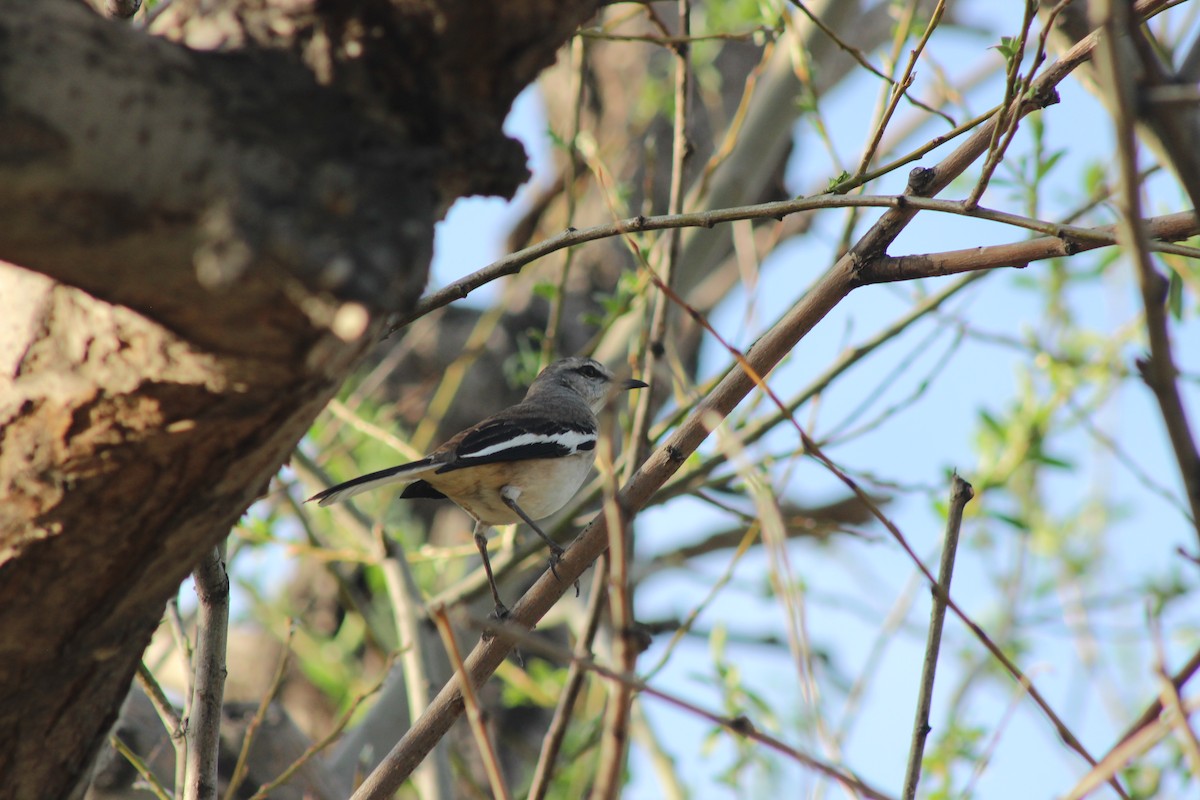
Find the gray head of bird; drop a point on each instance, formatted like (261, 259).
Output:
(586, 377)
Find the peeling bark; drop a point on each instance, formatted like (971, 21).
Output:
(206, 241)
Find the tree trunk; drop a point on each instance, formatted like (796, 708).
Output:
(206, 241)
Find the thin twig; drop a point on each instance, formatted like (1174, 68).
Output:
(1126, 460)
(240, 769)
(413, 639)
(416, 645)
(741, 726)
(989, 749)
(761, 427)
(670, 777)
(142, 768)
(1073, 237)
(378, 434)
(559, 301)
(614, 742)
(184, 645)
(452, 377)
(487, 752)
(871, 669)
(960, 494)
(614, 734)
(1060, 727)
(166, 712)
(858, 56)
(902, 29)
(212, 631)
(737, 123)
(171, 720)
(748, 538)
(658, 324)
(674, 41)
(1155, 709)
(899, 89)
(1010, 107)
(316, 747)
(1172, 702)
(1158, 370)
(853, 182)
(1129, 748)
(756, 377)
(557, 732)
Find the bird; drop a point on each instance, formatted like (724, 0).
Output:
(521, 464)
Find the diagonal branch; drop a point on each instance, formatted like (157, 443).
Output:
(1158, 370)
(960, 494)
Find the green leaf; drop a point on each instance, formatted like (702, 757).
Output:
(1175, 296)
(836, 180)
(1049, 163)
(546, 290)
(1007, 48)
(1048, 460)
(992, 424)
(1016, 522)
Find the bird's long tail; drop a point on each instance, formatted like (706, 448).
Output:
(405, 473)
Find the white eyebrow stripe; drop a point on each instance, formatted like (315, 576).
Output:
(570, 439)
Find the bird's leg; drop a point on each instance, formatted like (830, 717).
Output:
(481, 543)
(509, 495)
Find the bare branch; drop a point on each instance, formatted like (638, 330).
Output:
(260, 713)
(170, 719)
(557, 731)
(960, 494)
(1158, 370)
(741, 726)
(487, 752)
(212, 630)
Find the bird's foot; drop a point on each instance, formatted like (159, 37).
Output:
(500, 614)
(556, 557)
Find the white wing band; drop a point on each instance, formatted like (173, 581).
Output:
(570, 440)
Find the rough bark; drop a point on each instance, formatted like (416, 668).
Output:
(206, 243)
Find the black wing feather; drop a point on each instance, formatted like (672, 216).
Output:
(499, 431)
(422, 489)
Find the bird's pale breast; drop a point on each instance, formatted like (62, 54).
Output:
(545, 484)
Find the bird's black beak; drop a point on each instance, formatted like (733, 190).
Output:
(633, 383)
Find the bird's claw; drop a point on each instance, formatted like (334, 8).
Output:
(500, 614)
(556, 556)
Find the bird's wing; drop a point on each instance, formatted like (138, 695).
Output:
(516, 437)
(401, 474)
(422, 489)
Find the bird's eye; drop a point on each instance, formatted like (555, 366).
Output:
(588, 371)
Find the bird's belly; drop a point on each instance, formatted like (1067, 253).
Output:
(545, 486)
(541, 500)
